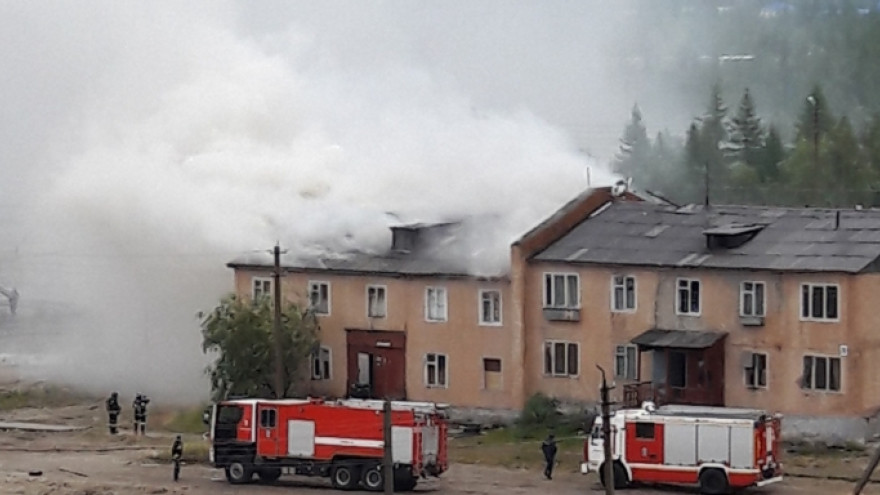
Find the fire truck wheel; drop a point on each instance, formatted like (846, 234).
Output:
(269, 474)
(238, 473)
(374, 478)
(621, 480)
(713, 482)
(344, 477)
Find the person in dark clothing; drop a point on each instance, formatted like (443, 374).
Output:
(549, 450)
(140, 413)
(177, 455)
(113, 411)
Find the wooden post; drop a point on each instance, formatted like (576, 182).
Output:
(276, 326)
(388, 462)
(607, 469)
(869, 469)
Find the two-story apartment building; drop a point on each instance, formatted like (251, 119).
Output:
(721, 305)
(737, 306)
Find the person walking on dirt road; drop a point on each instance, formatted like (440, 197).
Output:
(177, 455)
(113, 410)
(549, 450)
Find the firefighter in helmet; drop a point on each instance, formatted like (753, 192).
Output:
(140, 413)
(177, 455)
(113, 411)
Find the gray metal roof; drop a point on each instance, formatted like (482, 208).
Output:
(681, 339)
(448, 253)
(785, 239)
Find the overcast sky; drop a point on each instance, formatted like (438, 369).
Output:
(145, 144)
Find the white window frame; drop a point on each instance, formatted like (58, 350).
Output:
(828, 360)
(809, 308)
(318, 283)
(690, 289)
(482, 316)
(379, 289)
(623, 307)
(744, 292)
(445, 304)
(264, 291)
(568, 344)
(326, 372)
(549, 296)
(622, 354)
(754, 367)
(432, 359)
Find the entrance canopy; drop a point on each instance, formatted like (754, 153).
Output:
(682, 339)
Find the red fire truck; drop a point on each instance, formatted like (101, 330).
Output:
(340, 439)
(717, 448)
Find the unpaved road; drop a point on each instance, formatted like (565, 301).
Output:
(124, 472)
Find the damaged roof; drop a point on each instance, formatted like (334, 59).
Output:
(769, 238)
(437, 249)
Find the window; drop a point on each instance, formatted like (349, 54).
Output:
(626, 362)
(492, 374)
(561, 358)
(261, 287)
(268, 418)
(319, 297)
(819, 302)
(751, 299)
(435, 371)
(645, 431)
(687, 298)
(376, 305)
(821, 373)
(756, 371)
(561, 290)
(321, 364)
(435, 304)
(490, 307)
(623, 293)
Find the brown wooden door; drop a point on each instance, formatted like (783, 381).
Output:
(379, 358)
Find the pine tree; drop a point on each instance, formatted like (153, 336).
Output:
(633, 157)
(815, 119)
(746, 131)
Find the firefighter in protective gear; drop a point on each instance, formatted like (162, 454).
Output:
(177, 455)
(549, 450)
(140, 413)
(113, 411)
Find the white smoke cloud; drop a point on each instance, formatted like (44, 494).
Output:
(185, 140)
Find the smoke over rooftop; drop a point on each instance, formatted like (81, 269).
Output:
(145, 145)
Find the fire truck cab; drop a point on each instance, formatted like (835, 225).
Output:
(339, 439)
(717, 448)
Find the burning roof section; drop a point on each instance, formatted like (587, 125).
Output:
(420, 249)
(724, 237)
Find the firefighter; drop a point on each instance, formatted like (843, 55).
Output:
(549, 450)
(176, 455)
(140, 413)
(113, 410)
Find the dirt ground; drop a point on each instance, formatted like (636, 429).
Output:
(91, 462)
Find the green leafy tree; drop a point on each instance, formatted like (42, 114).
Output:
(772, 155)
(746, 131)
(815, 120)
(239, 332)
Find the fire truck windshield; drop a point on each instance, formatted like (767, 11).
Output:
(228, 417)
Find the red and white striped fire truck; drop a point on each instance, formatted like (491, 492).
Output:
(340, 439)
(717, 448)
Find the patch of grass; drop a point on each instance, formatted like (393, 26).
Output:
(39, 396)
(182, 421)
(507, 447)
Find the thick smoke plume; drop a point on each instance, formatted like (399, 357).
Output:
(149, 144)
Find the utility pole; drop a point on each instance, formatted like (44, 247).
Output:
(387, 461)
(607, 469)
(276, 326)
